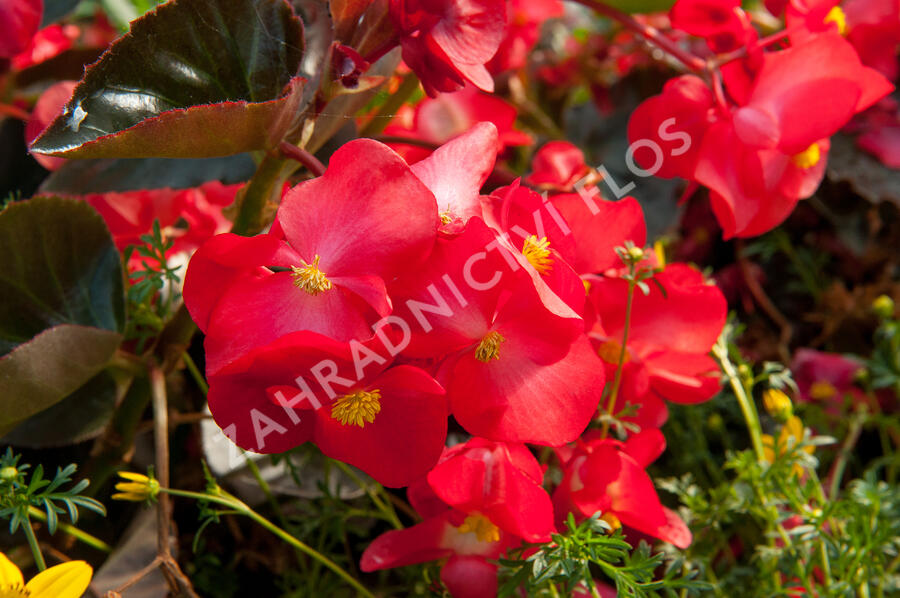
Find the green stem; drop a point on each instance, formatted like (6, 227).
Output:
(623, 351)
(229, 501)
(195, 373)
(73, 531)
(262, 187)
(386, 509)
(33, 545)
(266, 489)
(748, 407)
(390, 107)
(837, 470)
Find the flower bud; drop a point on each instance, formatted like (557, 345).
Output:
(883, 307)
(8, 473)
(778, 404)
(136, 488)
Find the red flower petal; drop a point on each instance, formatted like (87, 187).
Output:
(367, 215)
(407, 436)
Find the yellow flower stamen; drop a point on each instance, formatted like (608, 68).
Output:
(659, 248)
(537, 252)
(489, 348)
(358, 408)
(612, 520)
(808, 157)
(446, 217)
(611, 351)
(836, 15)
(822, 390)
(137, 488)
(310, 278)
(481, 526)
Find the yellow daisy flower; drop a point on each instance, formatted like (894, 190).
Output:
(137, 488)
(68, 580)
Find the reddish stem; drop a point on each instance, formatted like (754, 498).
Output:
(289, 150)
(765, 42)
(651, 34)
(14, 111)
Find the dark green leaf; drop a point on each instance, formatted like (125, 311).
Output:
(193, 78)
(53, 365)
(58, 265)
(100, 176)
(80, 416)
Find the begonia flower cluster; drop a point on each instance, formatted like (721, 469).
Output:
(755, 128)
(387, 298)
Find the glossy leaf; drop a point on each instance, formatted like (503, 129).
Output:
(80, 416)
(193, 78)
(58, 265)
(78, 177)
(40, 373)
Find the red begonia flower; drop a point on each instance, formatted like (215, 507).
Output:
(456, 171)
(469, 540)
(826, 378)
(470, 577)
(558, 165)
(524, 21)
(807, 93)
(440, 119)
(583, 229)
(534, 231)
(448, 42)
(499, 480)
(760, 155)
(19, 21)
(515, 370)
(722, 23)
(676, 121)
(874, 30)
(366, 220)
(391, 423)
(879, 129)
(669, 334)
(607, 475)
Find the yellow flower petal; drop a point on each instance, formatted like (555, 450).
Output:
(134, 477)
(68, 580)
(9, 573)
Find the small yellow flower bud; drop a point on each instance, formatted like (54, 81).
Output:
(778, 404)
(635, 253)
(883, 307)
(137, 488)
(8, 473)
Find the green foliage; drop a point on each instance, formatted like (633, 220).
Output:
(197, 94)
(884, 364)
(61, 283)
(576, 557)
(154, 286)
(19, 492)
